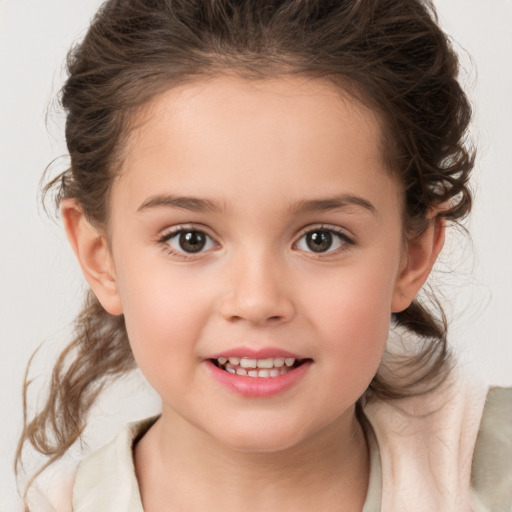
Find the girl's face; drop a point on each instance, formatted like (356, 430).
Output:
(257, 221)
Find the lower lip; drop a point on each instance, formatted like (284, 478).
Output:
(258, 387)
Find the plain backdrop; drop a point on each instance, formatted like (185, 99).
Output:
(41, 288)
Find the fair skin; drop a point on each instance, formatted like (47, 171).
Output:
(297, 246)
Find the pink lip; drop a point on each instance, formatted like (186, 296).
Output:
(252, 353)
(258, 387)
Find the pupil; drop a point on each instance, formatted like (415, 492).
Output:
(319, 241)
(192, 241)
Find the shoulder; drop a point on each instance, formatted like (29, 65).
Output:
(426, 444)
(491, 475)
(53, 489)
(106, 479)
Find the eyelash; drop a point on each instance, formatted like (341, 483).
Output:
(344, 240)
(175, 232)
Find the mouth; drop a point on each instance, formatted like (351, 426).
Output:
(270, 367)
(261, 373)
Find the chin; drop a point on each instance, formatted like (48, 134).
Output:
(263, 439)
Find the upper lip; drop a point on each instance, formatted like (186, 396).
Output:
(253, 353)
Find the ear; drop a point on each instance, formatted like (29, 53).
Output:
(419, 259)
(91, 249)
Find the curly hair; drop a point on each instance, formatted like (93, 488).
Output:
(389, 54)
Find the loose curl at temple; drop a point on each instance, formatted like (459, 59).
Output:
(388, 54)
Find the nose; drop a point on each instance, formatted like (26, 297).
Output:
(258, 291)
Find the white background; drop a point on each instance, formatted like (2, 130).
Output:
(41, 289)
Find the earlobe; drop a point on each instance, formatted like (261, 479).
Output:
(421, 255)
(91, 249)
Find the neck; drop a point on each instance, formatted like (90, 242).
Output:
(179, 464)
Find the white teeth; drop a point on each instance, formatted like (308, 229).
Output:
(268, 363)
(265, 363)
(247, 363)
(245, 366)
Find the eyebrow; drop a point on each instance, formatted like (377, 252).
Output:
(194, 204)
(339, 202)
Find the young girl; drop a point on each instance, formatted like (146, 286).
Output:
(258, 191)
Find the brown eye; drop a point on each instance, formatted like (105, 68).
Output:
(322, 241)
(319, 241)
(192, 241)
(189, 241)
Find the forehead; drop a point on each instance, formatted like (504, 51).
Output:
(308, 107)
(233, 136)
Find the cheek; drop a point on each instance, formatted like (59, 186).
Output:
(163, 315)
(156, 295)
(353, 319)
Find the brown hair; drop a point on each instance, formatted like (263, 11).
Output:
(390, 54)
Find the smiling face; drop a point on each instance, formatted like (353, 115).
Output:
(257, 221)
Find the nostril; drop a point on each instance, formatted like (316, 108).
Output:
(272, 319)
(235, 318)
(256, 308)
